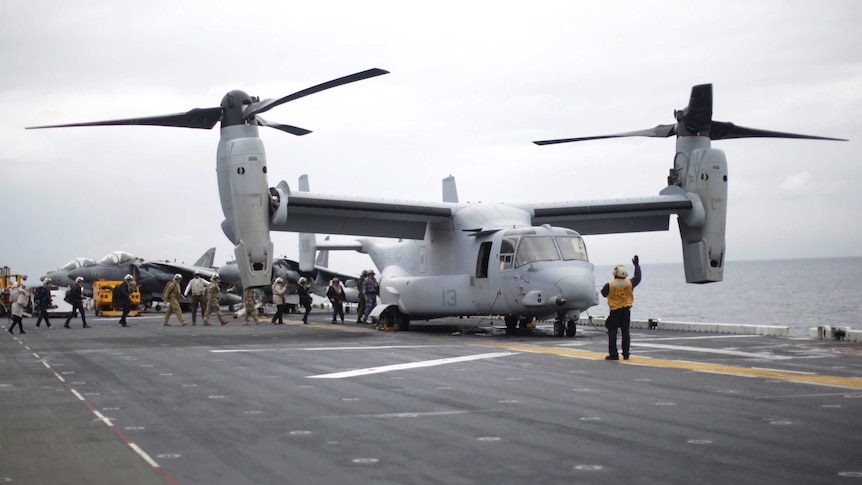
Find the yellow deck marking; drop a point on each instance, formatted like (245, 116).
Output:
(819, 379)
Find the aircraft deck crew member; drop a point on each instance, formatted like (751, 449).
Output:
(620, 295)
(42, 300)
(124, 297)
(19, 297)
(304, 298)
(171, 295)
(278, 291)
(369, 290)
(360, 309)
(75, 297)
(212, 296)
(335, 293)
(250, 306)
(198, 287)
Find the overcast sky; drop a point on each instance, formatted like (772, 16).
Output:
(472, 83)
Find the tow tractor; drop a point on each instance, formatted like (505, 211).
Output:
(6, 281)
(103, 300)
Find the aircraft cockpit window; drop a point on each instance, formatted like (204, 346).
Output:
(125, 257)
(573, 248)
(78, 263)
(507, 253)
(116, 258)
(110, 259)
(536, 248)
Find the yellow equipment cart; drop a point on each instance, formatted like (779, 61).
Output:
(103, 300)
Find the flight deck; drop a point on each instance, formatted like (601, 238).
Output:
(459, 403)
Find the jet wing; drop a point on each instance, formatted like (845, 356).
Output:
(357, 216)
(186, 270)
(613, 216)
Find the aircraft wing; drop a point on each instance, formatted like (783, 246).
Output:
(358, 216)
(187, 270)
(613, 216)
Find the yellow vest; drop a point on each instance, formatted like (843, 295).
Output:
(620, 293)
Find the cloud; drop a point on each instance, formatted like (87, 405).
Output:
(797, 183)
(471, 85)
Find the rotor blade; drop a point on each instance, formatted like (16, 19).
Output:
(660, 131)
(268, 104)
(293, 130)
(697, 116)
(722, 130)
(204, 118)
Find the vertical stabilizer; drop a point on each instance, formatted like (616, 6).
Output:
(322, 260)
(207, 259)
(450, 191)
(307, 241)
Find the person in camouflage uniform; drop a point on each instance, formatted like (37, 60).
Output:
(250, 310)
(212, 306)
(171, 295)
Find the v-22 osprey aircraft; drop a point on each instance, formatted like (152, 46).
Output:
(522, 261)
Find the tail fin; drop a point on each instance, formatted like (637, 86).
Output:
(322, 260)
(450, 191)
(307, 241)
(207, 259)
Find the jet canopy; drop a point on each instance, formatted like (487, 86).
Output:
(117, 258)
(77, 263)
(534, 244)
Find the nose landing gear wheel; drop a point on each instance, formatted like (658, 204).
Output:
(559, 328)
(571, 329)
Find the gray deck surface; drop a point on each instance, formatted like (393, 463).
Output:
(338, 404)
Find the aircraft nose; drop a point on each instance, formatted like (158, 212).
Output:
(579, 291)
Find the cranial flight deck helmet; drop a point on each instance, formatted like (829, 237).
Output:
(178, 276)
(620, 271)
(129, 277)
(79, 279)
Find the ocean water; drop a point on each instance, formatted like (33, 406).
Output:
(799, 293)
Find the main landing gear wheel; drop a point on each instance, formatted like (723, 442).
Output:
(571, 329)
(511, 324)
(392, 317)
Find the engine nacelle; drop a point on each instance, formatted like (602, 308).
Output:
(703, 230)
(249, 216)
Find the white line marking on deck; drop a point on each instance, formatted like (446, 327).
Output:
(288, 349)
(144, 455)
(711, 351)
(411, 365)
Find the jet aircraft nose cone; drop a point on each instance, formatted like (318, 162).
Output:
(579, 291)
